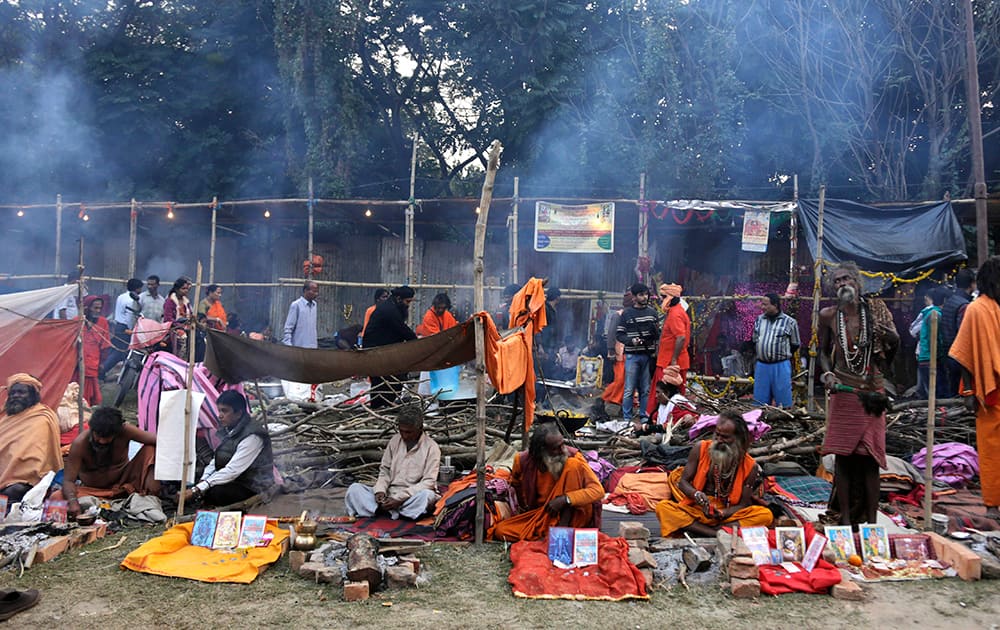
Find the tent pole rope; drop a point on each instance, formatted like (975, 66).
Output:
(480, 244)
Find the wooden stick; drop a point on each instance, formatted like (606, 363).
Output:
(817, 290)
(132, 219)
(211, 247)
(312, 203)
(186, 461)
(931, 416)
(793, 236)
(80, 366)
(410, 211)
(643, 244)
(478, 301)
(59, 210)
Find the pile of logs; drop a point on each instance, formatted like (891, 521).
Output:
(350, 438)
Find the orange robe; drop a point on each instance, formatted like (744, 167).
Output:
(680, 511)
(215, 310)
(577, 481)
(29, 446)
(975, 348)
(368, 315)
(432, 324)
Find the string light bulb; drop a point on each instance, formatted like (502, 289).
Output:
(267, 213)
(20, 212)
(170, 211)
(368, 212)
(477, 209)
(86, 217)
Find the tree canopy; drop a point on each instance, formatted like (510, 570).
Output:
(184, 100)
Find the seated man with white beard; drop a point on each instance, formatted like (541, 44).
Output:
(716, 485)
(555, 487)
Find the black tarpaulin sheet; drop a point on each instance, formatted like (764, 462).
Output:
(899, 239)
(235, 359)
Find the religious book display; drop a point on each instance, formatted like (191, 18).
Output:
(227, 530)
(54, 511)
(203, 531)
(756, 541)
(570, 547)
(874, 556)
(791, 541)
(841, 543)
(252, 531)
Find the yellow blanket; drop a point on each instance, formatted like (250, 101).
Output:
(172, 555)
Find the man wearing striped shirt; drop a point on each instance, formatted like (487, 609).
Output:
(776, 337)
(639, 331)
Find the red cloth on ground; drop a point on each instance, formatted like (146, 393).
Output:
(612, 578)
(774, 580)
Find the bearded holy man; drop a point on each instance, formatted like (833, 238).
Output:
(716, 485)
(555, 487)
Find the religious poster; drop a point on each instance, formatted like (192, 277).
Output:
(756, 228)
(588, 229)
(791, 541)
(227, 530)
(589, 371)
(874, 543)
(841, 542)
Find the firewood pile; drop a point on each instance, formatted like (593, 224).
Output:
(349, 438)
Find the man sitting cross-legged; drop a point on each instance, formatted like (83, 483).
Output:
(555, 487)
(715, 486)
(99, 458)
(407, 477)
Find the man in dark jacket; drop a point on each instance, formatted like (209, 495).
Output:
(388, 326)
(952, 313)
(243, 464)
(639, 331)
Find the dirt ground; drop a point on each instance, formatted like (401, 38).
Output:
(467, 587)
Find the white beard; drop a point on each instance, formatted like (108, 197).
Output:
(555, 464)
(846, 295)
(723, 456)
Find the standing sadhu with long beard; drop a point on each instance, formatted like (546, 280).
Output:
(975, 349)
(857, 340)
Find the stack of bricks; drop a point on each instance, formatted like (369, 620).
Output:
(738, 565)
(403, 574)
(637, 537)
(49, 548)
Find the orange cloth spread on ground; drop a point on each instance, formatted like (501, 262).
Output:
(432, 324)
(680, 511)
(577, 481)
(173, 556)
(614, 578)
(975, 347)
(652, 487)
(29, 446)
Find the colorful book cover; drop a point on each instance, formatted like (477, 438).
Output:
(792, 543)
(561, 545)
(3, 506)
(814, 552)
(252, 531)
(54, 511)
(914, 547)
(585, 547)
(227, 530)
(874, 543)
(841, 542)
(756, 541)
(203, 532)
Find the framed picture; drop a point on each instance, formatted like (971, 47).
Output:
(589, 371)
(841, 542)
(874, 543)
(791, 541)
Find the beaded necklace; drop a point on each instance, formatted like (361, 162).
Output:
(857, 356)
(722, 494)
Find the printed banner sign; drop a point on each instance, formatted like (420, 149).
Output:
(586, 229)
(756, 228)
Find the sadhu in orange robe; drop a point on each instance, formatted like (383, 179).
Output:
(536, 487)
(680, 511)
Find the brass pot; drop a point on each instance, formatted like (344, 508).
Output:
(304, 542)
(307, 527)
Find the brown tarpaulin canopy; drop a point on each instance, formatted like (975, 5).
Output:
(235, 359)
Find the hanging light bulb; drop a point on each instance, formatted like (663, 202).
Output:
(267, 213)
(477, 209)
(170, 213)
(368, 212)
(20, 212)
(86, 217)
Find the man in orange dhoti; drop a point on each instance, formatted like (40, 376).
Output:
(29, 438)
(554, 485)
(99, 458)
(716, 485)
(438, 317)
(975, 349)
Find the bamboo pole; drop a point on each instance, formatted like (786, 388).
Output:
(643, 229)
(976, 136)
(410, 212)
(188, 384)
(793, 238)
(132, 218)
(59, 213)
(931, 404)
(513, 232)
(311, 204)
(211, 247)
(80, 365)
(817, 291)
(480, 245)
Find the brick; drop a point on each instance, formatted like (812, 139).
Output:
(102, 529)
(744, 589)
(330, 575)
(965, 561)
(51, 548)
(638, 543)
(633, 530)
(413, 560)
(641, 558)
(848, 589)
(647, 575)
(744, 569)
(400, 576)
(740, 549)
(355, 591)
(296, 559)
(308, 570)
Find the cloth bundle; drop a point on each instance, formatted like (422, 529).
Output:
(954, 463)
(758, 428)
